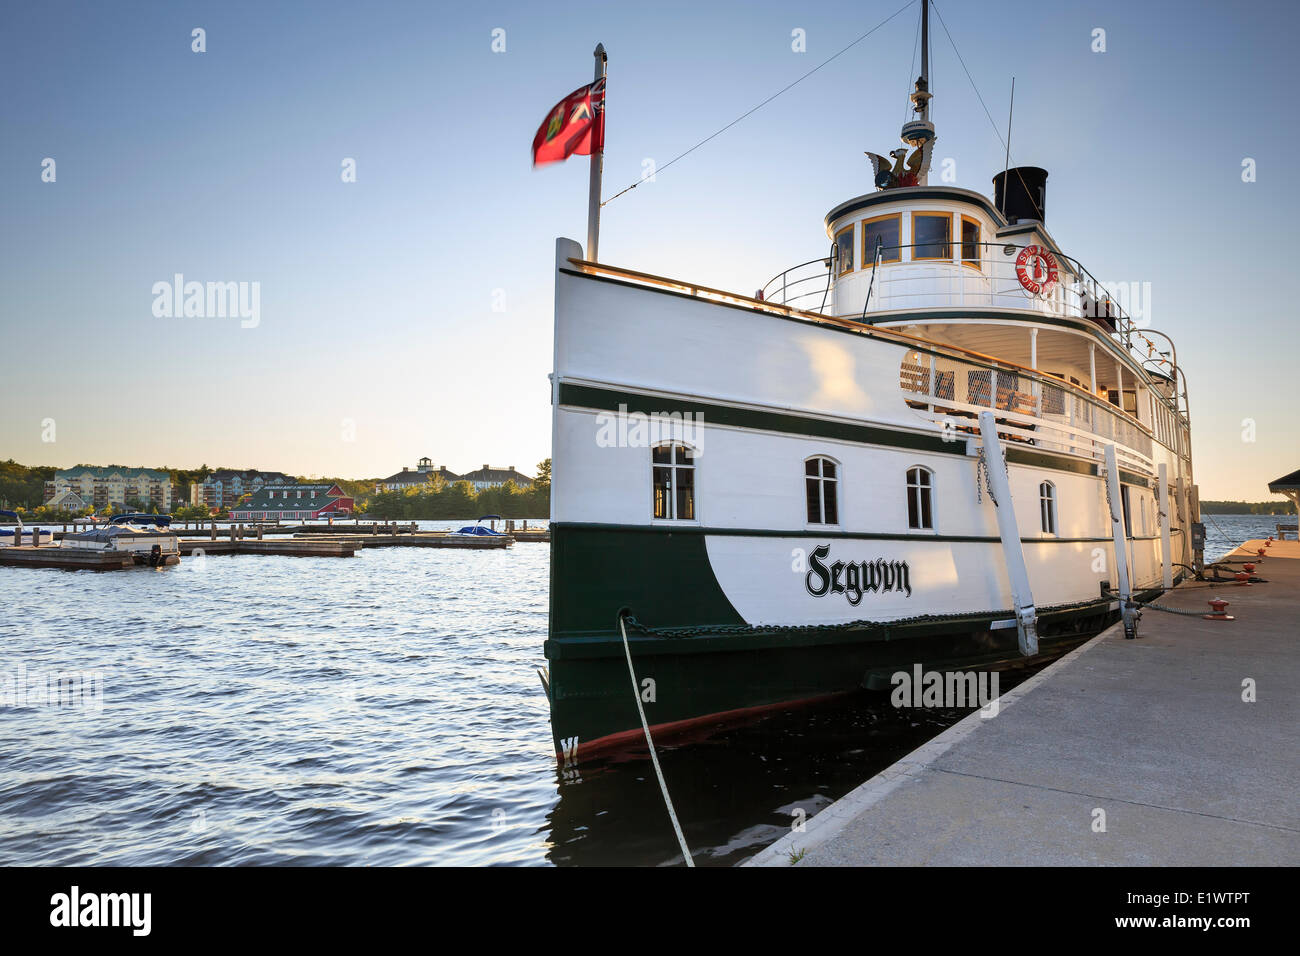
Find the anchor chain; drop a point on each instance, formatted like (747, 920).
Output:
(724, 630)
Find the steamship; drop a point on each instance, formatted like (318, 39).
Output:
(942, 442)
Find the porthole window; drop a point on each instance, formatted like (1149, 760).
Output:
(821, 488)
(1047, 507)
(920, 504)
(674, 482)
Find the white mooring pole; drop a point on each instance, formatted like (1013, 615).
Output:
(1162, 503)
(1121, 544)
(1012, 553)
(597, 164)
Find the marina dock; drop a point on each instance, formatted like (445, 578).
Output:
(52, 556)
(315, 548)
(1141, 752)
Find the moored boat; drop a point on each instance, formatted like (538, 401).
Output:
(943, 443)
(17, 535)
(147, 538)
(478, 529)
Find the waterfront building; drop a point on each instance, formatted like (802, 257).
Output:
(423, 474)
(113, 486)
(489, 477)
(225, 486)
(293, 501)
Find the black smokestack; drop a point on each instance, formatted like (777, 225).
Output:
(1021, 193)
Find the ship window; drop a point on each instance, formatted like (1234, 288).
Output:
(821, 486)
(844, 251)
(1128, 520)
(970, 242)
(674, 482)
(885, 231)
(920, 508)
(1047, 506)
(931, 236)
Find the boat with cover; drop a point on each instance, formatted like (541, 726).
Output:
(147, 538)
(20, 535)
(478, 530)
(941, 443)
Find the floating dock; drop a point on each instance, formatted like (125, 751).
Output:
(295, 548)
(425, 539)
(1134, 753)
(52, 556)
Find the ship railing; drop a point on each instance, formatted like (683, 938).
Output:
(1032, 409)
(1110, 423)
(807, 287)
(971, 275)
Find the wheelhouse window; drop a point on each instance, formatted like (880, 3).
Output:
(970, 242)
(885, 231)
(1047, 507)
(931, 236)
(674, 482)
(920, 505)
(821, 487)
(844, 251)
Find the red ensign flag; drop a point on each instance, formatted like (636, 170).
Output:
(575, 125)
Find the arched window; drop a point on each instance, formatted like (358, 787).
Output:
(821, 486)
(674, 481)
(1047, 507)
(920, 491)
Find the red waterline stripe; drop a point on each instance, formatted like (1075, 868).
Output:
(627, 740)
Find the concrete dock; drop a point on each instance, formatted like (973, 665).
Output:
(1121, 753)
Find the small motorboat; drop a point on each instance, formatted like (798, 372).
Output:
(147, 538)
(477, 529)
(12, 536)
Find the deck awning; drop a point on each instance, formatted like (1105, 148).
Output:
(1287, 483)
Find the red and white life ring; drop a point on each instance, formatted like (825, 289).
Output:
(1036, 269)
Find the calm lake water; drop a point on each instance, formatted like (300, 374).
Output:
(383, 709)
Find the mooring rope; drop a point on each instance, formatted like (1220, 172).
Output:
(663, 785)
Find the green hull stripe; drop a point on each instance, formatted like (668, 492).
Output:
(814, 533)
(605, 399)
(586, 396)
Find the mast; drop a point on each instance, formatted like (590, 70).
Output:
(924, 82)
(919, 132)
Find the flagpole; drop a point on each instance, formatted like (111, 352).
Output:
(597, 164)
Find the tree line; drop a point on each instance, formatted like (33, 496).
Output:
(1248, 507)
(22, 488)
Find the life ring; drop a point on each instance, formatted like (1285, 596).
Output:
(1036, 269)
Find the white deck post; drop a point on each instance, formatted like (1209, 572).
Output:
(1121, 544)
(1035, 388)
(1012, 553)
(1162, 503)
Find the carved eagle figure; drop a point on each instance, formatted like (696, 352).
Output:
(891, 176)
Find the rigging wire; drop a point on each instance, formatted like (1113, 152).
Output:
(996, 132)
(743, 116)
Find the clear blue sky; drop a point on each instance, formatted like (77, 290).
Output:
(377, 296)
